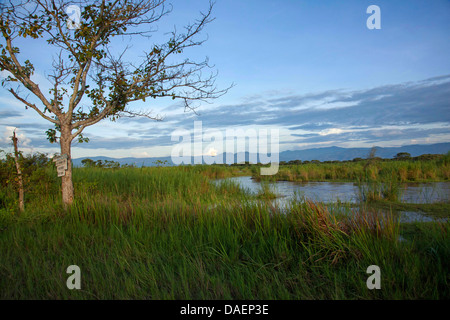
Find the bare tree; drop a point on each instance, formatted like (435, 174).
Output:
(370, 157)
(372, 153)
(19, 171)
(90, 82)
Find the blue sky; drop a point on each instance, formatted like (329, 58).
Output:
(311, 69)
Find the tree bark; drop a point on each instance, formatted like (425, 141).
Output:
(67, 184)
(19, 173)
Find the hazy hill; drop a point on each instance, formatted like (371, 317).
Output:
(321, 154)
(337, 153)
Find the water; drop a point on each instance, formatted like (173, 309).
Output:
(426, 192)
(347, 191)
(332, 192)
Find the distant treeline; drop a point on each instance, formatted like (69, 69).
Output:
(398, 157)
(89, 163)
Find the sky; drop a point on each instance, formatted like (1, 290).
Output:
(311, 69)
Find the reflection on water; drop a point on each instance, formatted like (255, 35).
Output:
(316, 191)
(426, 192)
(411, 216)
(347, 191)
(331, 192)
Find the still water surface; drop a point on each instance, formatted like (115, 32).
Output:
(331, 192)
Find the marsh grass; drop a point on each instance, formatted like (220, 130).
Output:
(400, 170)
(370, 190)
(438, 210)
(266, 191)
(169, 233)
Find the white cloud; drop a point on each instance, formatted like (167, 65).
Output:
(142, 154)
(211, 152)
(23, 140)
(337, 105)
(331, 131)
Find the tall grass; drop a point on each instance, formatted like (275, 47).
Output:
(370, 189)
(266, 191)
(169, 233)
(402, 171)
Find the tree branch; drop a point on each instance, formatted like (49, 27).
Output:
(33, 107)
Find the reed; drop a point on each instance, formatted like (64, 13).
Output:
(170, 233)
(370, 190)
(401, 170)
(266, 191)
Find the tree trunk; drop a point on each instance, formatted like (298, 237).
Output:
(19, 173)
(67, 184)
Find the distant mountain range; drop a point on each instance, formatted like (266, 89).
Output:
(321, 154)
(341, 154)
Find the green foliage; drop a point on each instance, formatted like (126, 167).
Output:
(89, 163)
(160, 163)
(445, 160)
(38, 177)
(402, 156)
(51, 135)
